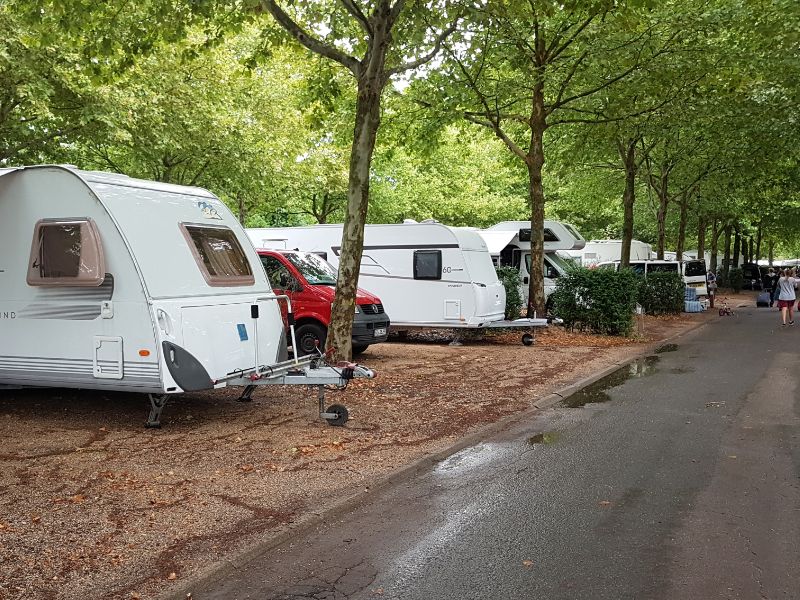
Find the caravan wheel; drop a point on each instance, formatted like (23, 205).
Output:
(527, 339)
(341, 415)
(309, 337)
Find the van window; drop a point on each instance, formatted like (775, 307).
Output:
(662, 267)
(277, 273)
(694, 268)
(427, 264)
(638, 267)
(218, 255)
(66, 252)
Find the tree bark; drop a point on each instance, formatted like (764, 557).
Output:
(242, 209)
(627, 152)
(726, 259)
(737, 243)
(715, 231)
(684, 214)
(771, 247)
(758, 242)
(535, 164)
(702, 225)
(661, 217)
(370, 87)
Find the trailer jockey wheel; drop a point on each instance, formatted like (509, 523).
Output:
(527, 339)
(341, 415)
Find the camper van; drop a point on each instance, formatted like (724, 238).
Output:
(597, 251)
(509, 244)
(109, 282)
(427, 274)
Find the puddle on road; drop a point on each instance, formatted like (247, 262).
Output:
(666, 348)
(596, 392)
(549, 437)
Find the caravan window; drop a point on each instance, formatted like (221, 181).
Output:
(427, 264)
(66, 252)
(219, 255)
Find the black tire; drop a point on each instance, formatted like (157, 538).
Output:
(309, 337)
(527, 339)
(359, 349)
(341, 415)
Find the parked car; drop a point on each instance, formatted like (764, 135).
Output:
(310, 281)
(752, 277)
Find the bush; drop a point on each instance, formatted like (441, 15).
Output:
(602, 300)
(662, 293)
(735, 279)
(509, 276)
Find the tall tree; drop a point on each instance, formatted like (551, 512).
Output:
(374, 40)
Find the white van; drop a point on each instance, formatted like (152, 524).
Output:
(692, 271)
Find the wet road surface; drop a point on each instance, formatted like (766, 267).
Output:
(676, 478)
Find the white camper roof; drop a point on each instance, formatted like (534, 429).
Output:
(148, 216)
(501, 234)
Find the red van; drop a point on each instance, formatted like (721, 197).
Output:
(309, 281)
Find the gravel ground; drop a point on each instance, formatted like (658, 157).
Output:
(92, 505)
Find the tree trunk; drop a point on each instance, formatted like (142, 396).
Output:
(661, 217)
(535, 163)
(737, 244)
(242, 209)
(628, 155)
(771, 247)
(726, 259)
(684, 214)
(370, 86)
(752, 252)
(702, 225)
(758, 243)
(715, 231)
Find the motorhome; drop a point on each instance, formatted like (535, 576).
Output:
(426, 274)
(109, 282)
(509, 244)
(597, 251)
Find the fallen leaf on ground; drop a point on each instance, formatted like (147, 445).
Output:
(527, 563)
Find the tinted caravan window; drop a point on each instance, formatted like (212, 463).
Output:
(218, 255)
(427, 264)
(66, 253)
(694, 268)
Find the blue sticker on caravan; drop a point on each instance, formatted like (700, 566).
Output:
(242, 331)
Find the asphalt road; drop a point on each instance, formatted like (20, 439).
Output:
(682, 483)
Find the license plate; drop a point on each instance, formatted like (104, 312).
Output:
(380, 332)
(697, 285)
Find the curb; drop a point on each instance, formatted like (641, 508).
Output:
(316, 519)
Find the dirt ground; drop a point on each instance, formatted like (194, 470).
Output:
(92, 505)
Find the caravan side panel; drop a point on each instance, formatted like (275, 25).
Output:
(86, 337)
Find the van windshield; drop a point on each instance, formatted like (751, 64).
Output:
(315, 270)
(694, 268)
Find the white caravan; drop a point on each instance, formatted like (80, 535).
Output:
(597, 251)
(426, 274)
(109, 282)
(509, 244)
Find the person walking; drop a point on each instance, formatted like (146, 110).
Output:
(787, 295)
(772, 285)
(711, 286)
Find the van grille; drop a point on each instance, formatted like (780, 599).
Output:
(372, 309)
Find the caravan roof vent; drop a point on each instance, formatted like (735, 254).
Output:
(408, 221)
